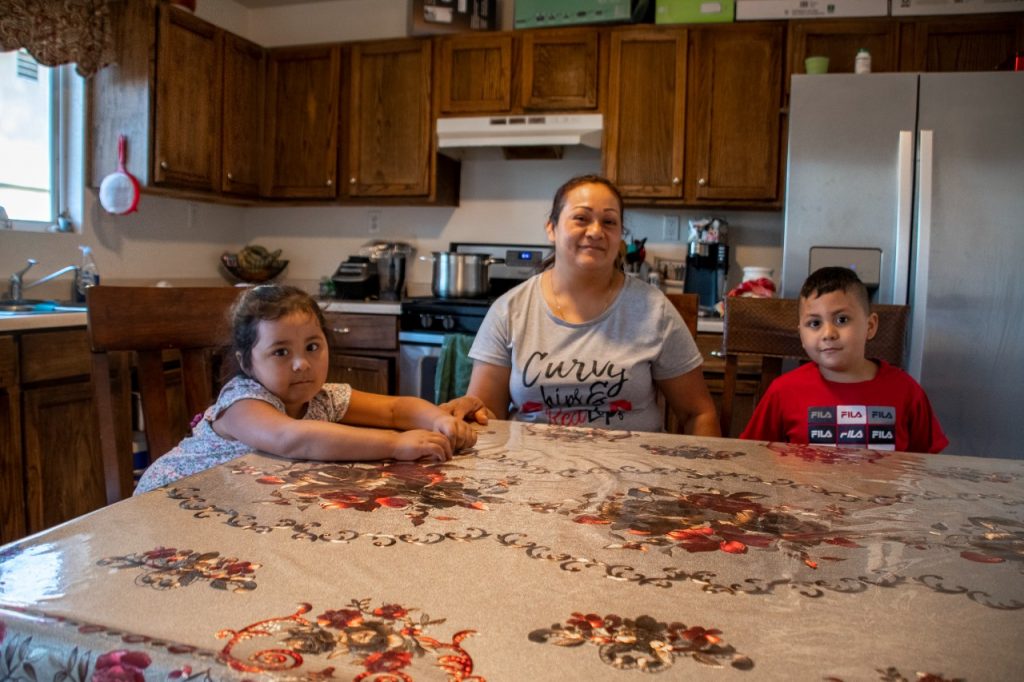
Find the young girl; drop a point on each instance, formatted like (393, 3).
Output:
(278, 402)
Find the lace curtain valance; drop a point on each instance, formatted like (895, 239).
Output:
(58, 32)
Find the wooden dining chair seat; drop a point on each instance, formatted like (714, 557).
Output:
(148, 321)
(687, 305)
(768, 328)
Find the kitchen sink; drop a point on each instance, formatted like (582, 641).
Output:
(32, 306)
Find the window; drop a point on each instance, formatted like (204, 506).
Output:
(40, 142)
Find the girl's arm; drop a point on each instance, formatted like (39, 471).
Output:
(688, 396)
(262, 427)
(406, 412)
(490, 383)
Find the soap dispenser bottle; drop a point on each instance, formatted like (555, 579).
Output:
(88, 273)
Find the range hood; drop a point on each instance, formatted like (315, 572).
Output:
(535, 130)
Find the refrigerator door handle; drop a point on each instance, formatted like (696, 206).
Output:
(922, 251)
(904, 216)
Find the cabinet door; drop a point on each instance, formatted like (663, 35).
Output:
(362, 373)
(63, 464)
(475, 74)
(559, 70)
(839, 40)
(733, 131)
(186, 140)
(301, 152)
(963, 43)
(390, 145)
(646, 112)
(362, 331)
(242, 149)
(12, 497)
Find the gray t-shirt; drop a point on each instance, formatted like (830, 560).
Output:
(600, 373)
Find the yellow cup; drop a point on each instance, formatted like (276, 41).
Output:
(816, 65)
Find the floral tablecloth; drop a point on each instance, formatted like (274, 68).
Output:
(547, 553)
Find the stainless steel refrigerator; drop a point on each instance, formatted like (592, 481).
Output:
(917, 180)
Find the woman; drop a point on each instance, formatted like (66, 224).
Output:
(581, 343)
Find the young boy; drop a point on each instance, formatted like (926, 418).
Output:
(841, 397)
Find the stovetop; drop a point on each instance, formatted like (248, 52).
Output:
(443, 315)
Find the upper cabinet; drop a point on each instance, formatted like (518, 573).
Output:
(962, 43)
(187, 117)
(242, 149)
(301, 153)
(644, 125)
(839, 40)
(502, 73)
(733, 119)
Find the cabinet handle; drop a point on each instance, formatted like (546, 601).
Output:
(230, 176)
(675, 181)
(343, 330)
(702, 182)
(329, 182)
(163, 164)
(351, 181)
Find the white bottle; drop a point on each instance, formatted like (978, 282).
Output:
(862, 62)
(88, 273)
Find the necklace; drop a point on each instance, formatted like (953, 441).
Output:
(612, 290)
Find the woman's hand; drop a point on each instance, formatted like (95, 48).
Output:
(459, 433)
(420, 443)
(468, 407)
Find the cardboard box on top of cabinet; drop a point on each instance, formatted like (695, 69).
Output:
(694, 11)
(918, 7)
(540, 13)
(809, 9)
(430, 17)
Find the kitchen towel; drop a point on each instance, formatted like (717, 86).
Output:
(451, 378)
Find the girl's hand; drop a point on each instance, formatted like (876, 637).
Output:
(459, 433)
(420, 443)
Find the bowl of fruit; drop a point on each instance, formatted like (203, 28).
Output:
(254, 264)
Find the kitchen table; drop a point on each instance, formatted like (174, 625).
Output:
(546, 553)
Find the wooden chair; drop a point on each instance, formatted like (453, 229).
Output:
(149, 321)
(687, 305)
(768, 327)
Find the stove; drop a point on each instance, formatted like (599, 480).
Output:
(443, 315)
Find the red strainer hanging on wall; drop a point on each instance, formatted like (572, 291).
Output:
(119, 191)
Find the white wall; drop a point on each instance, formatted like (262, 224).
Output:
(501, 201)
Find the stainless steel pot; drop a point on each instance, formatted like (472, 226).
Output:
(460, 275)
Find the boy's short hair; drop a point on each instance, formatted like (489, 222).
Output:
(834, 278)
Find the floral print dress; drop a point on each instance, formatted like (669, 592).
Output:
(205, 448)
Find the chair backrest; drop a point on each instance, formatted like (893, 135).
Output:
(687, 305)
(150, 321)
(768, 327)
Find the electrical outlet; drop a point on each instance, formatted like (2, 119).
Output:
(670, 228)
(374, 219)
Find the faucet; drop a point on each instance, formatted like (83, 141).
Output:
(17, 284)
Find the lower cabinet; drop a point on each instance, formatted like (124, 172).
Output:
(52, 470)
(748, 380)
(364, 351)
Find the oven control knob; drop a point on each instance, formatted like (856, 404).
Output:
(425, 320)
(448, 322)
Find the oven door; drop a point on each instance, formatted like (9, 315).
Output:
(418, 353)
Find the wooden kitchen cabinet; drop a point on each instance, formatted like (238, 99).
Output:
(559, 70)
(475, 73)
(961, 43)
(364, 351)
(733, 126)
(187, 113)
(644, 125)
(12, 491)
(390, 150)
(52, 469)
(301, 152)
(242, 148)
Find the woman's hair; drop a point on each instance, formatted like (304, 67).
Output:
(561, 196)
(266, 302)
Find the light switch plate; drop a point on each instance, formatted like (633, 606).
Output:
(670, 228)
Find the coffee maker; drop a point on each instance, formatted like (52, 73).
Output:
(707, 264)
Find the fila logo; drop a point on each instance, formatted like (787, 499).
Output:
(881, 414)
(822, 434)
(852, 414)
(821, 415)
(852, 434)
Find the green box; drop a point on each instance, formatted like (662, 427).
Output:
(540, 13)
(694, 11)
